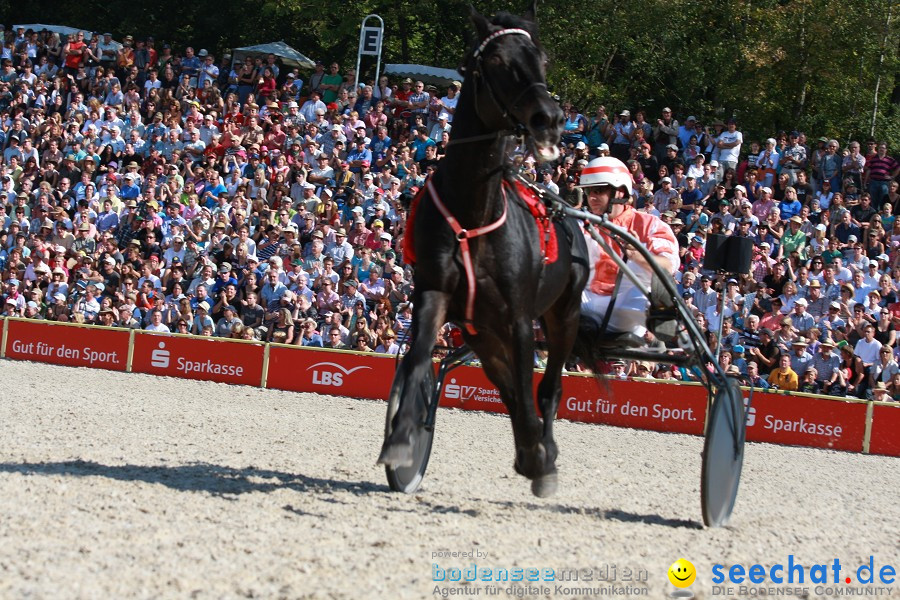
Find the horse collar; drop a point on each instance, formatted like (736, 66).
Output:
(463, 236)
(495, 35)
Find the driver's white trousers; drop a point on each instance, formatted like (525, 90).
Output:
(629, 311)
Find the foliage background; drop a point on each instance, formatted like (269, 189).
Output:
(773, 64)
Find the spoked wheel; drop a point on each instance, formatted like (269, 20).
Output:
(408, 479)
(723, 455)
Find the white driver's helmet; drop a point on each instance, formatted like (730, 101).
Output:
(606, 170)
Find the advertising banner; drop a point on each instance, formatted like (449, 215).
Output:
(68, 345)
(635, 404)
(198, 358)
(805, 421)
(642, 405)
(775, 418)
(470, 389)
(358, 375)
(885, 437)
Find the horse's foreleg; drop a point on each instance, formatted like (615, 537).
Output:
(430, 312)
(511, 370)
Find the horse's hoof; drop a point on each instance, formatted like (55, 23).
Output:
(396, 455)
(545, 485)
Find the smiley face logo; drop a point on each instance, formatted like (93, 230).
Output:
(682, 573)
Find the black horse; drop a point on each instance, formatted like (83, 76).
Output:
(504, 92)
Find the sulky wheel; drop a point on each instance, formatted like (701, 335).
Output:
(723, 455)
(408, 479)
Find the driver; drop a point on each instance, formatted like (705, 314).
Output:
(606, 182)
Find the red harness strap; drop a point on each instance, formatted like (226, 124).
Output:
(463, 236)
(538, 210)
(409, 235)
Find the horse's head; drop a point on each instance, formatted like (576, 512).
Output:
(506, 72)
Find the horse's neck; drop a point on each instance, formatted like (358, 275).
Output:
(471, 171)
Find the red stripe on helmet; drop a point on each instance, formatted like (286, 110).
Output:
(604, 169)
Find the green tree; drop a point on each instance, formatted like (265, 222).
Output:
(774, 64)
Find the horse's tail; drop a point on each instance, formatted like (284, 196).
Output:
(589, 354)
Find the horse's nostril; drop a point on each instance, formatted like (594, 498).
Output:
(539, 121)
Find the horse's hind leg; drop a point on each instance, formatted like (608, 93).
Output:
(561, 327)
(429, 314)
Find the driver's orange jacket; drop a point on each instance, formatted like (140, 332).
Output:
(650, 230)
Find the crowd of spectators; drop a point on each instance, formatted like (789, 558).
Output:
(819, 310)
(169, 191)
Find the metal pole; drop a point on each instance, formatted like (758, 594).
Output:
(265, 367)
(380, 45)
(721, 314)
(358, 57)
(887, 25)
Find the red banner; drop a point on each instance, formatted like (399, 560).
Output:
(198, 358)
(636, 404)
(470, 389)
(775, 418)
(885, 437)
(358, 375)
(70, 345)
(805, 421)
(642, 405)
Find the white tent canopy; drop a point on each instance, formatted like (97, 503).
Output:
(62, 30)
(288, 55)
(433, 75)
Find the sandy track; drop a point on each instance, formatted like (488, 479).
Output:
(134, 486)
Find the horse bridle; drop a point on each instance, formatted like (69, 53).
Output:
(518, 128)
(461, 234)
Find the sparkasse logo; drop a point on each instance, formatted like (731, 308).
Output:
(459, 392)
(329, 373)
(159, 358)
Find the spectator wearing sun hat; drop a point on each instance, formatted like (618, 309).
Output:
(793, 239)
(826, 363)
(350, 295)
(665, 196)
(341, 249)
(202, 320)
(308, 334)
(802, 320)
(817, 302)
(373, 240)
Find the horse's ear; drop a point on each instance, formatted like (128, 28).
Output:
(531, 12)
(479, 21)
